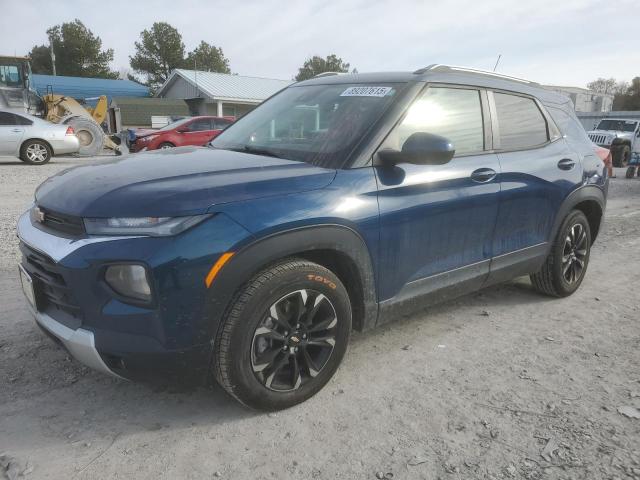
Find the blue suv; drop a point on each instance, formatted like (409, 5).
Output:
(338, 204)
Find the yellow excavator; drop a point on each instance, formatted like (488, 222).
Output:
(17, 92)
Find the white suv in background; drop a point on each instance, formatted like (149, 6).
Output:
(619, 135)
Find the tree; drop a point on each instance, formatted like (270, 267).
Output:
(159, 51)
(316, 65)
(630, 98)
(40, 56)
(78, 53)
(208, 58)
(607, 85)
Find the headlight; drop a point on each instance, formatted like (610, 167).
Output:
(150, 226)
(148, 138)
(129, 280)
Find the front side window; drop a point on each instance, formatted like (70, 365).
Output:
(453, 113)
(7, 118)
(200, 125)
(318, 124)
(520, 121)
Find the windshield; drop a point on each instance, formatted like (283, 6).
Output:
(318, 124)
(174, 124)
(617, 125)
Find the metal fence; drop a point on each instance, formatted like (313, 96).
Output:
(590, 119)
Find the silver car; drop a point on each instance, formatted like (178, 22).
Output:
(34, 140)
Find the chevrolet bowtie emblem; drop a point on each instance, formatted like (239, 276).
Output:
(295, 339)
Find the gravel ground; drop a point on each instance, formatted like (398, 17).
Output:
(503, 383)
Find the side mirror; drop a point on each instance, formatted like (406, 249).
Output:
(420, 148)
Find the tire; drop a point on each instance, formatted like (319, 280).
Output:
(258, 351)
(90, 135)
(631, 171)
(35, 152)
(566, 265)
(622, 156)
(165, 145)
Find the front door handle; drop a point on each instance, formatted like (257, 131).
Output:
(483, 175)
(566, 164)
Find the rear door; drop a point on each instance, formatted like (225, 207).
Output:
(11, 133)
(437, 221)
(539, 169)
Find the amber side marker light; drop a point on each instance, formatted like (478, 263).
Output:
(224, 258)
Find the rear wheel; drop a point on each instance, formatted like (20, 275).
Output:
(622, 156)
(89, 134)
(165, 145)
(35, 152)
(566, 265)
(631, 171)
(283, 336)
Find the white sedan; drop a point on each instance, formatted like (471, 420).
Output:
(34, 140)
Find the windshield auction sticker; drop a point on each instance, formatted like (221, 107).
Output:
(366, 92)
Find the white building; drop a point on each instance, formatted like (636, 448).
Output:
(220, 94)
(585, 100)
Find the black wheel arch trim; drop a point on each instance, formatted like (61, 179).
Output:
(585, 193)
(301, 242)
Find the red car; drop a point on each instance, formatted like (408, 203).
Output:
(189, 131)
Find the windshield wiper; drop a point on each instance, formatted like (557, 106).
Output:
(256, 151)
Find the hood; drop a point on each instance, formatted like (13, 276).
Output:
(175, 182)
(612, 133)
(145, 132)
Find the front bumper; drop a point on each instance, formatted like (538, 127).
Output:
(167, 342)
(80, 343)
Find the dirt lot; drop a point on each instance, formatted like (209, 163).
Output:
(500, 384)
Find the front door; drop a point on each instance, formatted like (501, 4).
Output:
(10, 133)
(200, 132)
(437, 221)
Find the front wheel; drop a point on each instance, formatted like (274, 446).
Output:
(283, 336)
(35, 152)
(566, 265)
(165, 145)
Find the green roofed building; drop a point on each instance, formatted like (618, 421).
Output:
(129, 112)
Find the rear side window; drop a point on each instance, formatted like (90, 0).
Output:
(569, 125)
(221, 123)
(7, 118)
(20, 120)
(520, 121)
(454, 113)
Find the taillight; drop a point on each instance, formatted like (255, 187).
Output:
(603, 153)
(70, 131)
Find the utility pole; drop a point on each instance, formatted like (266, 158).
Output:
(497, 62)
(53, 56)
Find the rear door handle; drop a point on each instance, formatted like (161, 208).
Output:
(483, 175)
(566, 164)
(17, 130)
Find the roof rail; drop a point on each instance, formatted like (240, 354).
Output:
(326, 74)
(451, 68)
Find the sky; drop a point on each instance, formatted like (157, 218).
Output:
(559, 42)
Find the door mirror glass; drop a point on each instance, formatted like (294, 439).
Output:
(421, 148)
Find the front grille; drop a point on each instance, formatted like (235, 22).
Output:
(598, 139)
(60, 222)
(52, 292)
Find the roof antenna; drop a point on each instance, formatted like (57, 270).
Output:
(497, 62)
